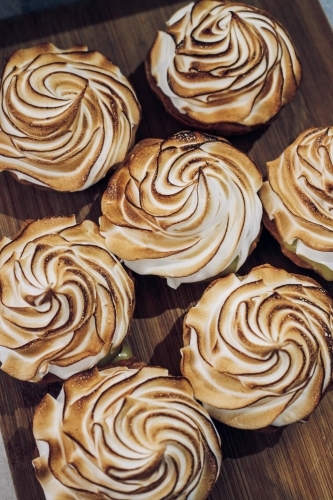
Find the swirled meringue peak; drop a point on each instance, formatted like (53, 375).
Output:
(65, 300)
(298, 200)
(258, 349)
(125, 434)
(185, 208)
(223, 66)
(67, 116)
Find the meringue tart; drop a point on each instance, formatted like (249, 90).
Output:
(223, 66)
(67, 117)
(258, 348)
(185, 208)
(128, 434)
(298, 201)
(66, 302)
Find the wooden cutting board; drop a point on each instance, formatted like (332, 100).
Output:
(296, 463)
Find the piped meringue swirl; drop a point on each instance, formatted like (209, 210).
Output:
(222, 62)
(67, 116)
(126, 434)
(258, 349)
(298, 199)
(65, 300)
(185, 208)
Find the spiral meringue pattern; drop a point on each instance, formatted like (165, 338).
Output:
(185, 208)
(65, 300)
(126, 434)
(298, 200)
(223, 66)
(67, 116)
(258, 349)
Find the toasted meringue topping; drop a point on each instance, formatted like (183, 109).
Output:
(184, 208)
(67, 116)
(126, 434)
(221, 61)
(298, 195)
(65, 300)
(257, 349)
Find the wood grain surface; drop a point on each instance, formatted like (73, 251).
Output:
(296, 463)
